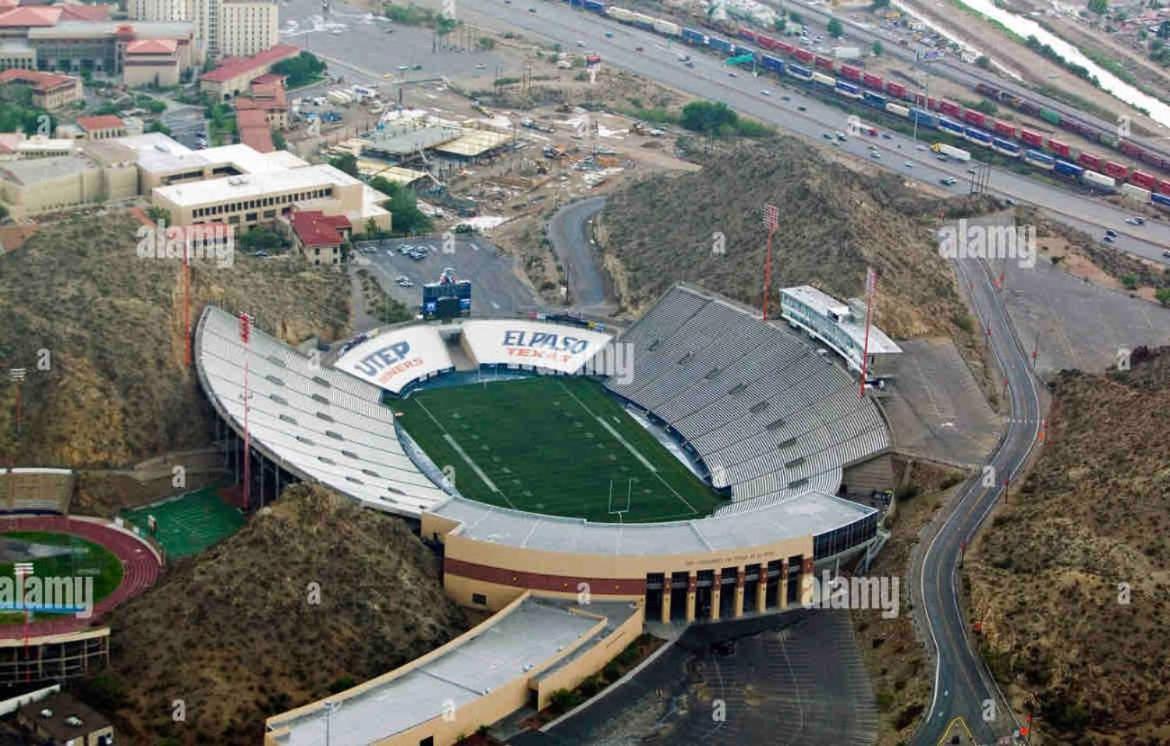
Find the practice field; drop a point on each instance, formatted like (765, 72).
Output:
(189, 523)
(56, 555)
(556, 445)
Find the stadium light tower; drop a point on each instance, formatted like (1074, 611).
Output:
(245, 337)
(870, 288)
(772, 222)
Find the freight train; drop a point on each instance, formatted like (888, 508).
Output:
(1034, 148)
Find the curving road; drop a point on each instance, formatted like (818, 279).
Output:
(962, 683)
(569, 233)
(710, 79)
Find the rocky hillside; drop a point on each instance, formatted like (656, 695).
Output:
(116, 389)
(1071, 578)
(313, 595)
(833, 222)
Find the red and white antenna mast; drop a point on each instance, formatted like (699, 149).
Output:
(870, 292)
(772, 222)
(245, 337)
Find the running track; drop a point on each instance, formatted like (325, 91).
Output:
(140, 568)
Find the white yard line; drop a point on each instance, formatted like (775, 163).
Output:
(617, 436)
(464, 455)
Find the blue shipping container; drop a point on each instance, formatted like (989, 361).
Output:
(923, 118)
(848, 89)
(1005, 146)
(946, 125)
(1043, 160)
(797, 71)
(719, 44)
(1069, 169)
(691, 36)
(874, 99)
(595, 6)
(772, 63)
(1160, 199)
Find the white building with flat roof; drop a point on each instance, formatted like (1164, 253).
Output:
(839, 326)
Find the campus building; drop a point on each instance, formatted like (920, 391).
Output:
(48, 91)
(840, 327)
(236, 74)
(248, 27)
(94, 173)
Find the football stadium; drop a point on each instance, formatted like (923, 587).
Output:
(579, 482)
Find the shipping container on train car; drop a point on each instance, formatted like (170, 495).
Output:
(977, 118)
(1164, 186)
(869, 80)
(1035, 139)
(849, 72)
(803, 55)
(1028, 107)
(1127, 147)
(977, 136)
(950, 125)
(987, 90)
(1143, 179)
(950, 108)
(785, 47)
(896, 89)
(876, 100)
(767, 42)
(1060, 148)
(825, 63)
(1003, 129)
(747, 33)
(1119, 171)
(667, 28)
(827, 81)
(691, 36)
(898, 110)
(1098, 180)
(595, 6)
(1039, 159)
(1006, 147)
(719, 45)
(1090, 161)
(1068, 169)
(775, 64)
(1050, 116)
(1161, 200)
(848, 90)
(798, 72)
(1135, 193)
(923, 118)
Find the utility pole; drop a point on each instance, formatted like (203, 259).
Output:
(771, 222)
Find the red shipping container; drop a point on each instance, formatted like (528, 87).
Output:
(1088, 160)
(1003, 129)
(747, 33)
(850, 73)
(872, 81)
(1130, 149)
(766, 42)
(803, 55)
(1116, 170)
(785, 47)
(949, 107)
(824, 63)
(1056, 146)
(1144, 180)
(1034, 139)
(1164, 186)
(973, 117)
(896, 89)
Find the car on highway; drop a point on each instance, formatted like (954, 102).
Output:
(801, 108)
(532, 10)
(637, 49)
(1166, 254)
(1136, 220)
(922, 147)
(765, 92)
(786, 98)
(875, 155)
(1108, 239)
(732, 74)
(403, 281)
(828, 135)
(580, 43)
(887, 136)
(608, 34)
(971, 171)
(948, 181)
(1110, 233)
(908, 164)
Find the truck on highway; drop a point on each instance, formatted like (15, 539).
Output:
(951, 152)
(341, 98)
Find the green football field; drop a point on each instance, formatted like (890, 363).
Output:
(189, 523)
(557, 445)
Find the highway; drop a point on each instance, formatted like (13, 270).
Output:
(710, 79)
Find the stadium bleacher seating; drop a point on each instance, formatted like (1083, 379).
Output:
(770, 417)
(321, 423)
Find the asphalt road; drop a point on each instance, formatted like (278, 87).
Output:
(962, 683)
(569, 233)
(710, 79)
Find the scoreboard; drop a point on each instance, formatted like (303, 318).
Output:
(446, 300)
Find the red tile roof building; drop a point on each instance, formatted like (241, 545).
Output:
(102, 127)
(319, 236)
(50, 91)
(235, 74)
(151, 62)
(254, 130)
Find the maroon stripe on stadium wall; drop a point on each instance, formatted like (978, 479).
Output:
(541, 582)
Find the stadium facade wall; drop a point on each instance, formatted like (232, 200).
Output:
(875, 474)
(488, 575)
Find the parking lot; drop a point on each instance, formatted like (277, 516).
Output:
(497, 284)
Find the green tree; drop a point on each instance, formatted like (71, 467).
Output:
(708, 117)
(835, 28)
(879, 4)
(486, 42)
(302, 69)
(795, 17)
(158, 127)
(1100, 7)
(278, 140)
(405, 216)
(1164, 30)
(878, 49)
(1163, 296)
(983, 61)
(158, 214)
(346, 162)
(780, 24)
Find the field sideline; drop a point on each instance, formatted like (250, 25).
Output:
(555, 445)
